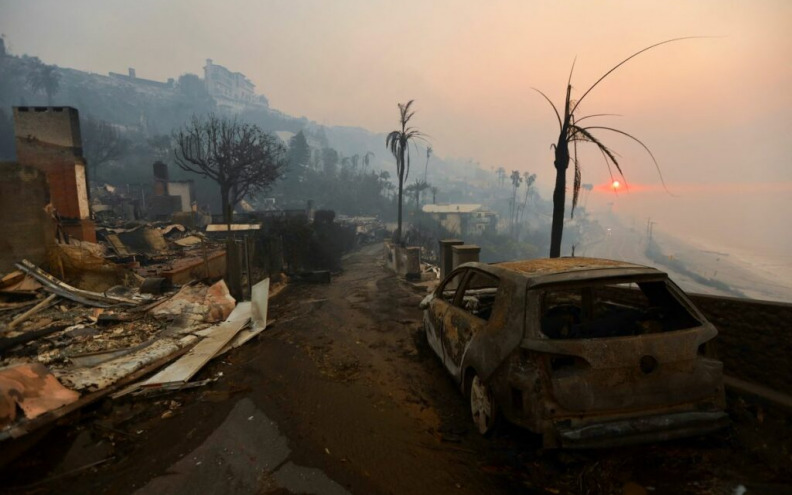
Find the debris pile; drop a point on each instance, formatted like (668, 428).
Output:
(142, 327)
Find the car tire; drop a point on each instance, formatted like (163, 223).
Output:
(482, 406)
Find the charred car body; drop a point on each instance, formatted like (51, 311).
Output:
(586, 352)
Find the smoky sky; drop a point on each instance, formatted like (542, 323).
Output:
(715, 111)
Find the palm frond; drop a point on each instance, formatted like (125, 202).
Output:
(627, 60)
(576, 183)
(558, 116)
(392, 142)
(598, 115)
(644, 146)
(571, 70)
(607, 164)
(590, 137)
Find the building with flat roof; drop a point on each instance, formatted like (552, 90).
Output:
(463, 219)
(223, 84)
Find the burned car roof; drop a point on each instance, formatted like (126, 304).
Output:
(548, 270)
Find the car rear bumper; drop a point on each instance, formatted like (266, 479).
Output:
(640, 430)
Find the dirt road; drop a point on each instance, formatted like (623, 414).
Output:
(342, 395)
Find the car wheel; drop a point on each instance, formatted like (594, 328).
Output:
(482, 406)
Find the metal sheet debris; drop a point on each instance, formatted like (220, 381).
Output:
(198, 303)
(65, 290)
(258, 316)
(234, 227)
(187, 366)
(109, 372)
(190, 240)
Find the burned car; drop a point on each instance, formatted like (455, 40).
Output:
(585, 352)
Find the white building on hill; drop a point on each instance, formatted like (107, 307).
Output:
(463, 219)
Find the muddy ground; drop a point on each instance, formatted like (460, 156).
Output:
(346, 375)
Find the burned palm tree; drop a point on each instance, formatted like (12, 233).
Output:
(398, 142)
(571, 132)
(367, 160)
(426, 167)
(516, 180)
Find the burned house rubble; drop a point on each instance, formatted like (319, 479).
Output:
(113, 292)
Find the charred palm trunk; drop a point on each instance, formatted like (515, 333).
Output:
(401, 195)
(559, 194)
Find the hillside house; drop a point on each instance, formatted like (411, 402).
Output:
(228, 88)
(463, 219)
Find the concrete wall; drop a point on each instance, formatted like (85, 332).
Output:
(755, 339)
(185, 191)
(404, 261)
(48, 138)
(58, 126)
(27, 231)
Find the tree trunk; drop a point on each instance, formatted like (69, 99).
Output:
(400, 170)
(559, 196)
(399, 213)
(225, 193)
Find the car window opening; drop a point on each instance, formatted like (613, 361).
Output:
(448, 291)
(615, 310)
(479, 295)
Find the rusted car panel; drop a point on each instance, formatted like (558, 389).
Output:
(586, 352)
(641, 429)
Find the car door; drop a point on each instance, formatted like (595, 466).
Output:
(443, 300)
(467, 316)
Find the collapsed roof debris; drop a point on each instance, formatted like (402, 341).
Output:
(74, 346)
(147, 297)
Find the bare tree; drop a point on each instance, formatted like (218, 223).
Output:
(571, 132)
(102, 142)
(240, 157)
(46, 78)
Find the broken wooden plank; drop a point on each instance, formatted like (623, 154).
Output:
(117, 245)
(10, 279)
(171, 387)
(35, 309)
(186, 367)
(15, 306)
(65, 290)
(10, 342)
(18, 282)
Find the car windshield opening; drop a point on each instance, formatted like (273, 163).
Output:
(612, 310)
